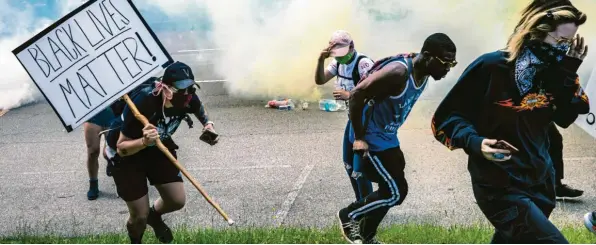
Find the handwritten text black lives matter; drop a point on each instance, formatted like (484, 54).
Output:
(61, 51)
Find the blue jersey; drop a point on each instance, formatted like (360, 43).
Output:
(390, 113)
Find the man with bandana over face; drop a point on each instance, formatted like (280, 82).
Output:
(507, 100)
(137, 159)
(349, 66)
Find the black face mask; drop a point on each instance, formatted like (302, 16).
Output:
(182, 98)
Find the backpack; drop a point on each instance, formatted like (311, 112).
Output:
(118, 105)
(118, 108)
(355, 72)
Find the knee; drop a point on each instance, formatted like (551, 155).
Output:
(93, 151)
(137, 220)
(398, 196)
(177, 203)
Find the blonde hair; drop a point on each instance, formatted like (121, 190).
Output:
(537, 22)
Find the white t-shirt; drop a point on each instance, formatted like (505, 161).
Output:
(346, 70)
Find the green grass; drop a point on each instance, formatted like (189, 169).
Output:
(392, 234)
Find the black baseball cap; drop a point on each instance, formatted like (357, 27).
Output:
(178, 75)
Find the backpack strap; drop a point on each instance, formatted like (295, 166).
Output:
(356, 70)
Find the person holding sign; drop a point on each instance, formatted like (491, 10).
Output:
(348, 65)
(165, 105)
(500, 111)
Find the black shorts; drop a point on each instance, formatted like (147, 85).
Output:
(131, 173)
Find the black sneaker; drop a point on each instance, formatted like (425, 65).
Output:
(566, 191)
(161, 230)
(372, 241)
(135, 240)
(350, 229)
(93, 192)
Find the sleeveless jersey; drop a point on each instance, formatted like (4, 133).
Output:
(387, 115)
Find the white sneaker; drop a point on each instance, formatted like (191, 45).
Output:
(590, 221)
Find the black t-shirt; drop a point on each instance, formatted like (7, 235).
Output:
(166, 120)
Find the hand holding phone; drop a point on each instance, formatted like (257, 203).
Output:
(209, 137)
(501, 144)
(496, 151)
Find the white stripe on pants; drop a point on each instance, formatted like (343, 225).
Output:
(395, 196)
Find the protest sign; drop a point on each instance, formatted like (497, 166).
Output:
(91, 57)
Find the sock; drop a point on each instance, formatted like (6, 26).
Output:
(93, 183)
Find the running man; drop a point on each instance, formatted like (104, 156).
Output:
(137, 159)
(349, 66)
(379, 105)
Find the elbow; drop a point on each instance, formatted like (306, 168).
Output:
(582, 110)
(319, 81)
(121, 150)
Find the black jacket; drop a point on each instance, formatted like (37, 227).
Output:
(485, 103)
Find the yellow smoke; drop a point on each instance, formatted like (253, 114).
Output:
(273, 50)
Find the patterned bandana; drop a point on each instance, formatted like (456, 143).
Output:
(535, 57)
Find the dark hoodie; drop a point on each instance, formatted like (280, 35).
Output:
(486, 103)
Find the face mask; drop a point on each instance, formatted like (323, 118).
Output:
(344, 59)
(182, 98)
(563, 47)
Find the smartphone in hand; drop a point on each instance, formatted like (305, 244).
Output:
(209, 137)
(501, 144)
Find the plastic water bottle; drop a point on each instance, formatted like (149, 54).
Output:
(341, 105)
(288, 106)
(328, 105)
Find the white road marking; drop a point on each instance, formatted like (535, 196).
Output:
(289, 201)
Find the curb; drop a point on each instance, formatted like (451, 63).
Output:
(212, 87)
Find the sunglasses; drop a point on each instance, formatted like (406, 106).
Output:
(563, 40)
(187, 90)
(450, 64)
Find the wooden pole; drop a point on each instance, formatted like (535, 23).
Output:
(165, 150)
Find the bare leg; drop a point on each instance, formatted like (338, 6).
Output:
(172, 198)
(92, 141)
(137, 220)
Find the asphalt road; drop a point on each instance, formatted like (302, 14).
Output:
(271, 168)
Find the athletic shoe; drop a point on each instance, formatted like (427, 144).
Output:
(93, 192)
(566, 191)
(372, 241)
(590, 221)
(350, 229)
(161, 230)
(134, 240)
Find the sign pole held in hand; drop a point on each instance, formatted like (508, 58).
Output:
(94, 55)
(165, 150)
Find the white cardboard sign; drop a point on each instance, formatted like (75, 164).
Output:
(588, 121)
(91, 57)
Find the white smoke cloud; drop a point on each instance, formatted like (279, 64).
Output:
(271, 46)
(17, 25)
